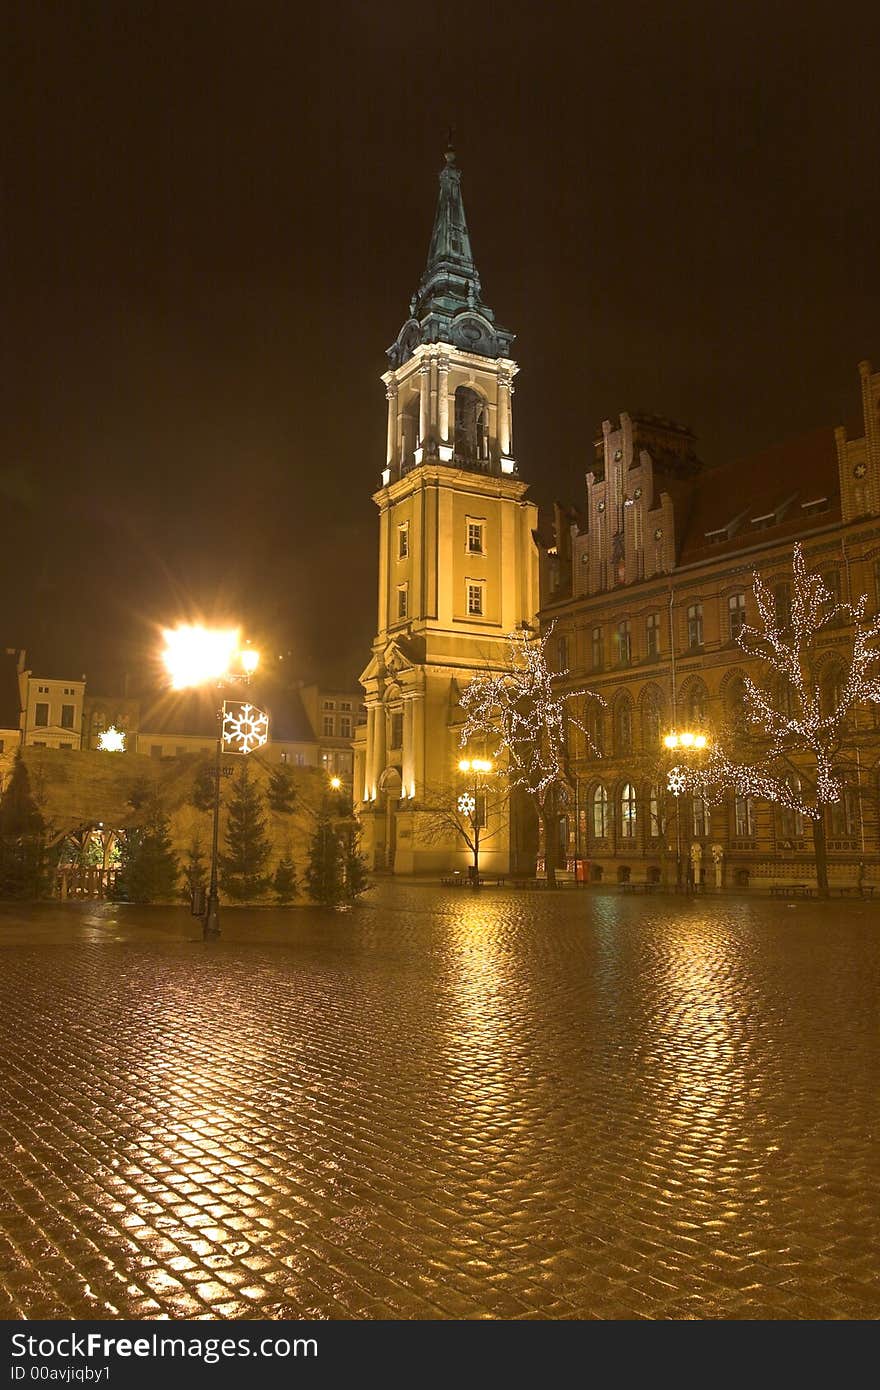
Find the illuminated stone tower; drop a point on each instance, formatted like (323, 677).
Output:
(457, 561)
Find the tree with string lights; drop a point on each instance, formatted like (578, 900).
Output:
(796, 731)
(527, 711)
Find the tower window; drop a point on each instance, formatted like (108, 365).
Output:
(402, 600)
(471, 429)
(475, 599)
(403, 541)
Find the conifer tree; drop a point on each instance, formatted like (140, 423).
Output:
(326, 867)
(356, 879)
(148, 868)
(195, 869)
(202, 794)
(243, 866)
(284, 883)
(281, 792)
(22, 838)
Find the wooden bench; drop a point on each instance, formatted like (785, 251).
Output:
(792, 890)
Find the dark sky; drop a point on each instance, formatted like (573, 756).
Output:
(214, 217)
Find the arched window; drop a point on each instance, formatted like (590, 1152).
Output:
(628, 807)
(594, 723)
(651, 725)
(701, 817)
(791, 820)
(843, 814)
(471, 428)
(735, 704)
(623, 728)
(744, 817)
(655, 803)
(600, 813)
(696, 704)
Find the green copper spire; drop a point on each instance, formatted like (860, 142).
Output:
(447, 307)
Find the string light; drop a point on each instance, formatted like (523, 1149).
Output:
(788, 712)
(523, 708)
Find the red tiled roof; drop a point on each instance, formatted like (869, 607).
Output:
(799, 471)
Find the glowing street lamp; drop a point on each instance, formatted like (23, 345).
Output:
(471, 806)
(195, 656)
(686, 741)
(111, 741)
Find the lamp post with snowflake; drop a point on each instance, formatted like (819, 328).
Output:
(681, 742)
(199, 656)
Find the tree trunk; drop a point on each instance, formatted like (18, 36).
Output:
(820, 851)
(548, 821)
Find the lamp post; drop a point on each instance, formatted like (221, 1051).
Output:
(685, 742)
(196, 656)
(469, 804)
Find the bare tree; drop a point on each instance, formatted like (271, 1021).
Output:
(474, 818)
(797, 725)
(526, 710)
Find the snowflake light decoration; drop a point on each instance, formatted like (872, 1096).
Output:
(245, 727)
(111, 741)
(676, 781)
(467, 804)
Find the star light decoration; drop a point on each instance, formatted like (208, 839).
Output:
(245, 727)
(800, 733)
(526, 709)
(111, 741)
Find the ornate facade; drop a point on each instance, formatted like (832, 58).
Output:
(458, 567)
(648, 585)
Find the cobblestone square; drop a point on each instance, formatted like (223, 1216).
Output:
(442, 1105)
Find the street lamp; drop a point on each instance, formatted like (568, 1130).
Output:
(686, 742)
(470, 804)
(197, 656)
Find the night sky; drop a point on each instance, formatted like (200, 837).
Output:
(214, 217)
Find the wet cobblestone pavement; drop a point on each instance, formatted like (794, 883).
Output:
(442, 1105)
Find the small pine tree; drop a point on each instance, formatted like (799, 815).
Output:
(195, 870)
(281, 792)
(139, 794)
(148, 868)
(22, 838)
(326, 867)
(284, 883)
(356, 879)
(202, 794)
(243, 866)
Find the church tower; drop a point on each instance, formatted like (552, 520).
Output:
(458, 567)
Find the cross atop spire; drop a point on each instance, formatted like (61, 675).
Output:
(447, 307)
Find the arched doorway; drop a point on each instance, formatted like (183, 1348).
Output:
(391, 788)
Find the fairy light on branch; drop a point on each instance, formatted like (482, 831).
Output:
(788, 711)
(527, 711)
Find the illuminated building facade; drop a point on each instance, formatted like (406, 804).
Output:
(648, 584)
(458, 567)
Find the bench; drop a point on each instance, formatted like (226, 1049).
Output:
(792, 890)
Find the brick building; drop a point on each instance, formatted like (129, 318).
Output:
(648, 585)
